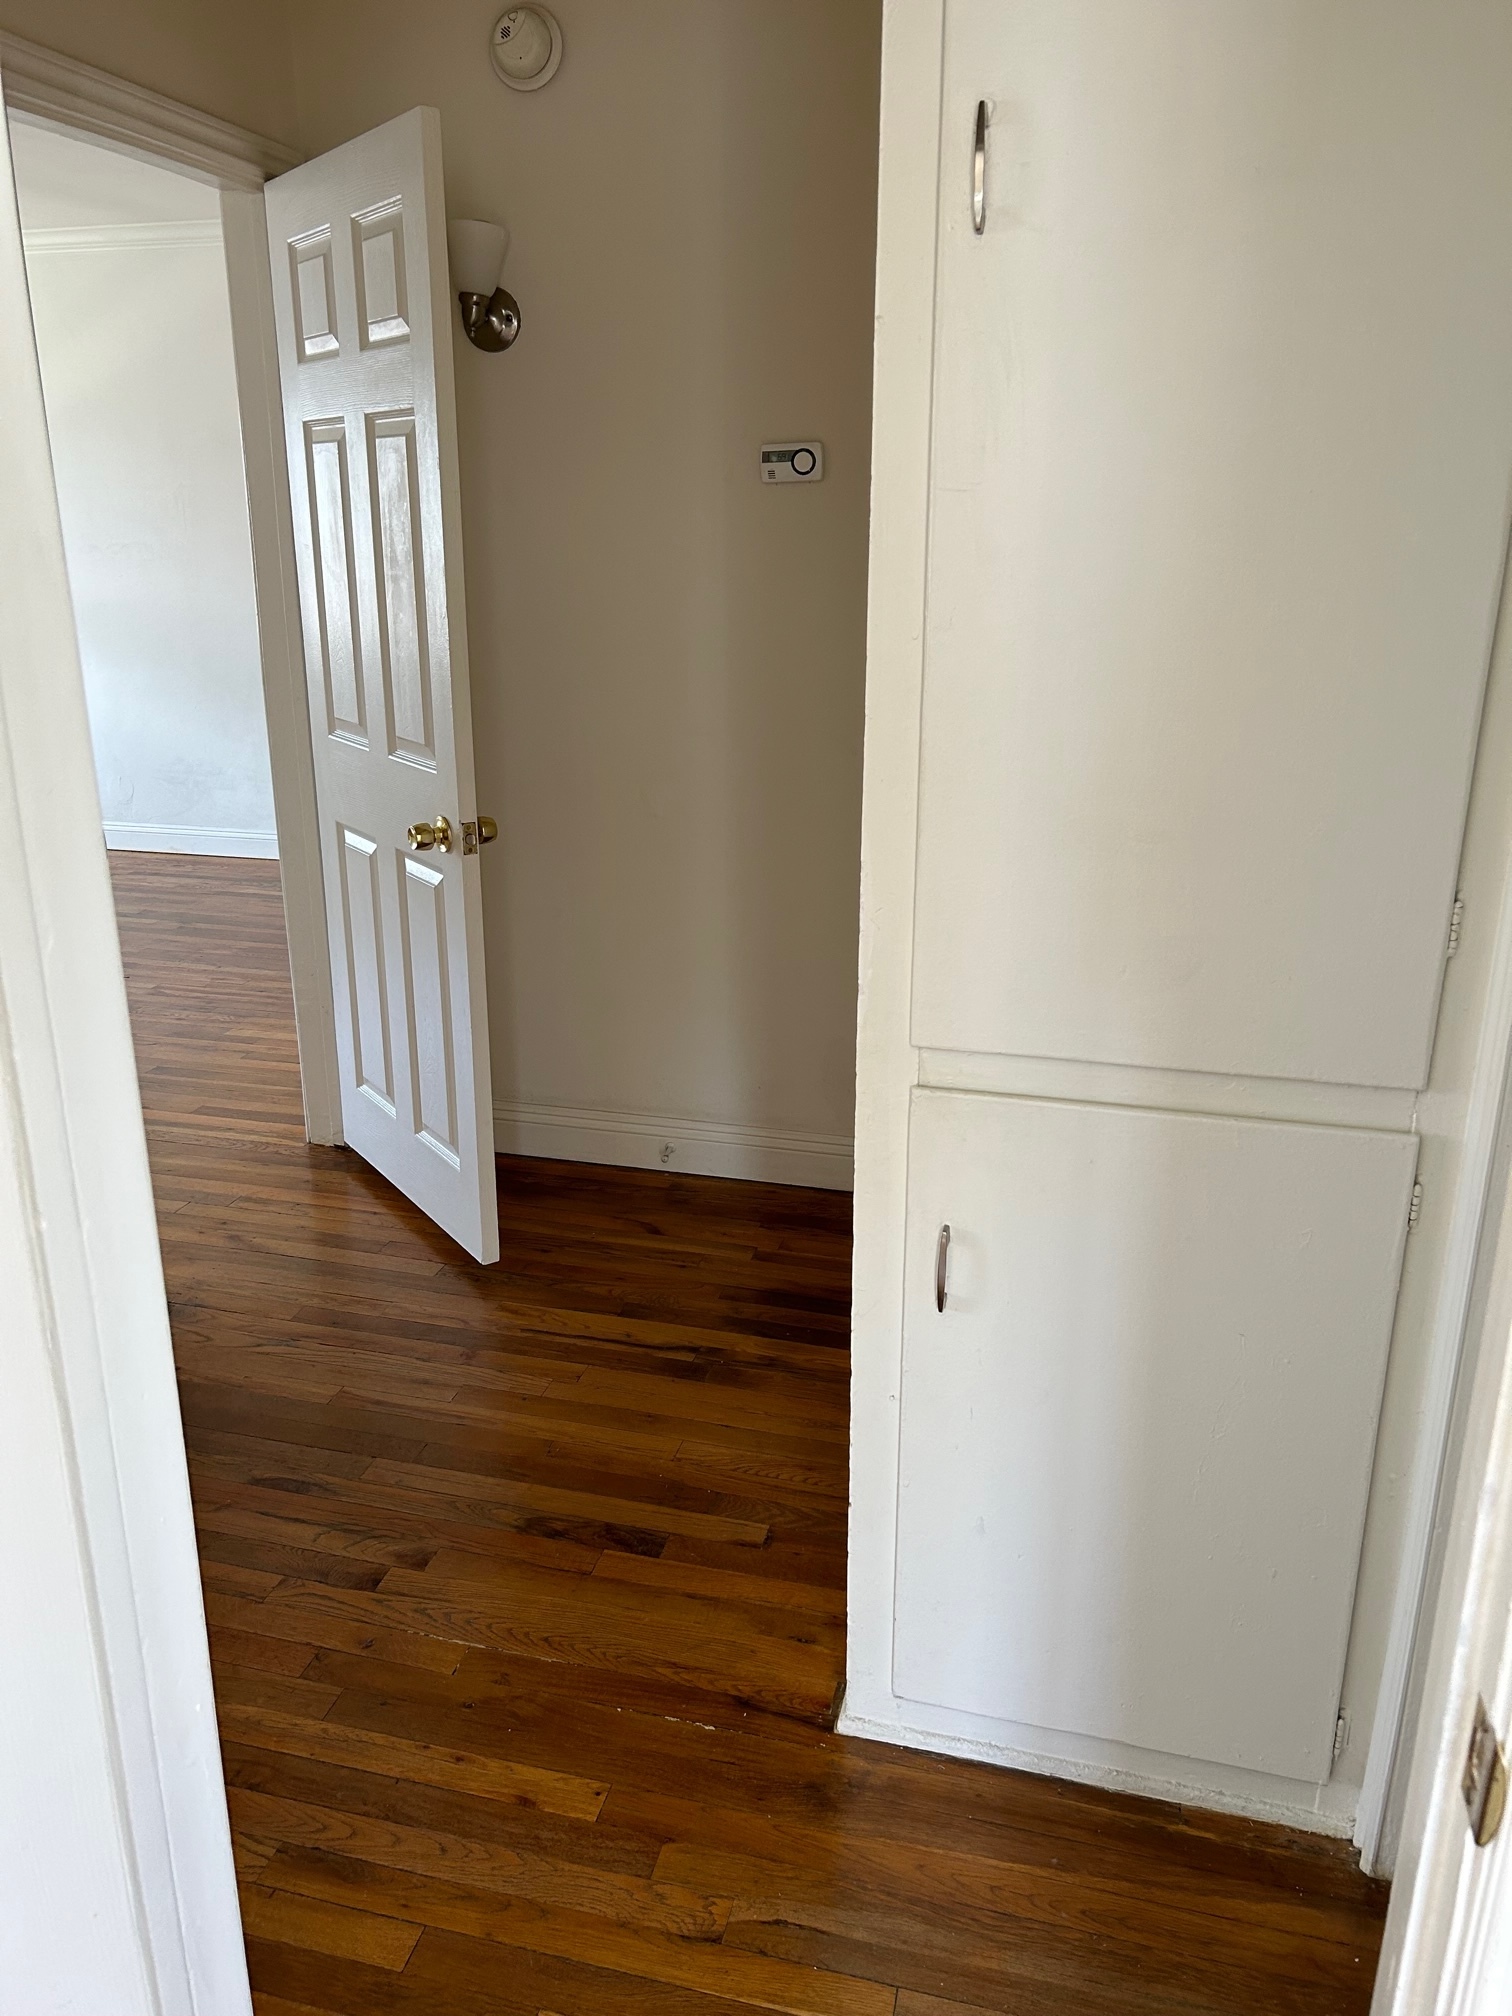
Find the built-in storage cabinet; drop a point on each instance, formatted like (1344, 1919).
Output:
(1136, 1441)
(1194, 460)
(1220, 455)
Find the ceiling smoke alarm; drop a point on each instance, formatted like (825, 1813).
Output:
(526, 47)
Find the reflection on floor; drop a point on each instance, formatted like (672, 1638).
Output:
(526, 1591)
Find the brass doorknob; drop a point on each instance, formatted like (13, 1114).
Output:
(435, 832)
(488, 829)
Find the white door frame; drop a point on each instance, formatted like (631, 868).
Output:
(1438, 1955)
(57, 91)
(114, 1838)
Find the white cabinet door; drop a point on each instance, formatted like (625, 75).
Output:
(364, 305)
(1222, 451)
(1136, 1445)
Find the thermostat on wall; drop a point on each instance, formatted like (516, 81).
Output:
(792, 461)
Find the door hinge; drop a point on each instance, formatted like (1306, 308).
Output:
(1485, 1781)
(1415, 1208)
(1456, 918)
(1341, 1734)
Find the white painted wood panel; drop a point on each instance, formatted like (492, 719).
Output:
(1222, 444)
(1136, 1446)
(358, 249)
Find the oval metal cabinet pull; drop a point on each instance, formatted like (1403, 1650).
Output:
(942, 1257)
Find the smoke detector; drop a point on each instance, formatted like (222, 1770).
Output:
(526, 47)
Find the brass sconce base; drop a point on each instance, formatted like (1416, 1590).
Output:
(492, 321)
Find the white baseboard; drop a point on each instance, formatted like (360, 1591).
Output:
(130, 838)
(654, 1141)
(1314, 1809)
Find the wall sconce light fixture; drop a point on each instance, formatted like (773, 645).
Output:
(490, 314)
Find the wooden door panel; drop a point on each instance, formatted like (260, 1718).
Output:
(394, 484)
(362, 939)
(427, 980)
(1136, 1446)
(1222, 452)
(378, 262)
(337, 627)
(365, 314)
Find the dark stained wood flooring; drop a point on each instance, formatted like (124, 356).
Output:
(526, 1593)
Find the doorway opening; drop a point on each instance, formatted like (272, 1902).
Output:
(126, 267)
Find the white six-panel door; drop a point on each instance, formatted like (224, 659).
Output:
(357, 240)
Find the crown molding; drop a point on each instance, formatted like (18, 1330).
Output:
(122, 237)
(59, 90)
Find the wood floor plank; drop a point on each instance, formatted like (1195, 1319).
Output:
(743, 1978)
(797, 1598)
(270, 1823)
(526, 1597)
(426, 1763)
(348, 1933)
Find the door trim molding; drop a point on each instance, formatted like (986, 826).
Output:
(79, 1238)
(59, 90)
(1390, 1752)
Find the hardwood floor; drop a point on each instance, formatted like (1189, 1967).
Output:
(526, 1593)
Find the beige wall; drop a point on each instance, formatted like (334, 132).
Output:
(229, 59)
(667, 658)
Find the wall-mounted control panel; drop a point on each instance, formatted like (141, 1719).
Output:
(792, 461)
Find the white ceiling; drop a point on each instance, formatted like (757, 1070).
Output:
(62, 181)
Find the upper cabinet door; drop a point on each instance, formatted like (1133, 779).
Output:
(1221, 464)
(364, 305)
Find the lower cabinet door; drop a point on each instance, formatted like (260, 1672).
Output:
(1137, 1441)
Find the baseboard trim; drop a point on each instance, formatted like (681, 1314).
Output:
(1328, 1809)
(128, 837)
(657, 1141)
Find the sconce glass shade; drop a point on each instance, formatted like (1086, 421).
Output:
(478, 252)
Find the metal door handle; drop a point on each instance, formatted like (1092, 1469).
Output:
(979, 171)
(432, 833)
(942, 1257)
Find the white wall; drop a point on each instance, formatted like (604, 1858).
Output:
(141, 402)
(667, 658)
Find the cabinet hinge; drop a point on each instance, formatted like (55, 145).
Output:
(1456, 918)
(1485, 1781)
(1415, 1208)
